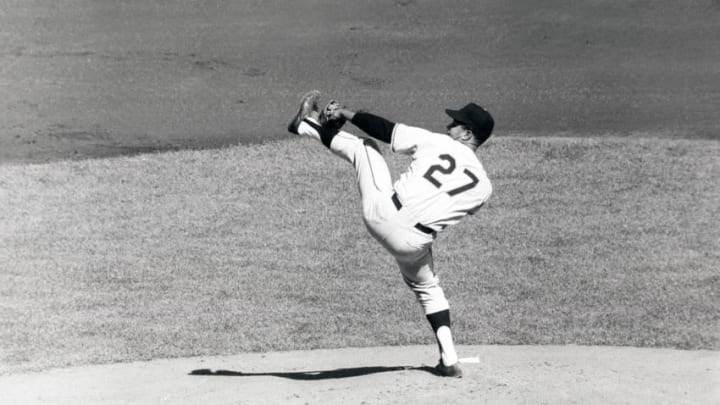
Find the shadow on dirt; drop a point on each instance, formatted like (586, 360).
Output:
(314, 375)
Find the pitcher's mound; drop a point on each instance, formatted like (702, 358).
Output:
(387, 375)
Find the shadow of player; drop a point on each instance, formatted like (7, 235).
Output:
(314, 375)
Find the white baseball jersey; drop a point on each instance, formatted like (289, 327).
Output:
(445, 180)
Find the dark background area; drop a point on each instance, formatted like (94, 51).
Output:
(87, 78)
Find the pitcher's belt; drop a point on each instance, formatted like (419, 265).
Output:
(420, 227)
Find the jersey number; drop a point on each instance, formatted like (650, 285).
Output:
(448, 170)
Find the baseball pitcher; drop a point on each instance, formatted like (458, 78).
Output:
(444, 183)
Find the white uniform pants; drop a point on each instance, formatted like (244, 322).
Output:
(393, 228)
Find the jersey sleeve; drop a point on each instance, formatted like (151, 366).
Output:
(406, 139)
(374, 125)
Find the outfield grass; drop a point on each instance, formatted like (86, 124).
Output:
(255, 248)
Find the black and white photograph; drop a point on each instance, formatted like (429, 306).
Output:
(370, 202)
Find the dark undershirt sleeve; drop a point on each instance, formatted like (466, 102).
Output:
(375, 126)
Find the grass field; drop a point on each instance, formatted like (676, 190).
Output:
(256, 248)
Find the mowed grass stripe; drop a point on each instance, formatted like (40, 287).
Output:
(258, 248)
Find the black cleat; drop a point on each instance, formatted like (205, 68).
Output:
(308, 104)
(448, 371)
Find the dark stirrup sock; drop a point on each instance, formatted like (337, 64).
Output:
(439, 319)
(326, 135)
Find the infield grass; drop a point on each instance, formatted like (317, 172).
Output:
(256, 248)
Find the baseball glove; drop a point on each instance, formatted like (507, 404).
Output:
(328, 119)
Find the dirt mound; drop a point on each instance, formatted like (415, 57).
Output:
(387, 375)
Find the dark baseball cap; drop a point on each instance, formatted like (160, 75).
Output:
(476, 118)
